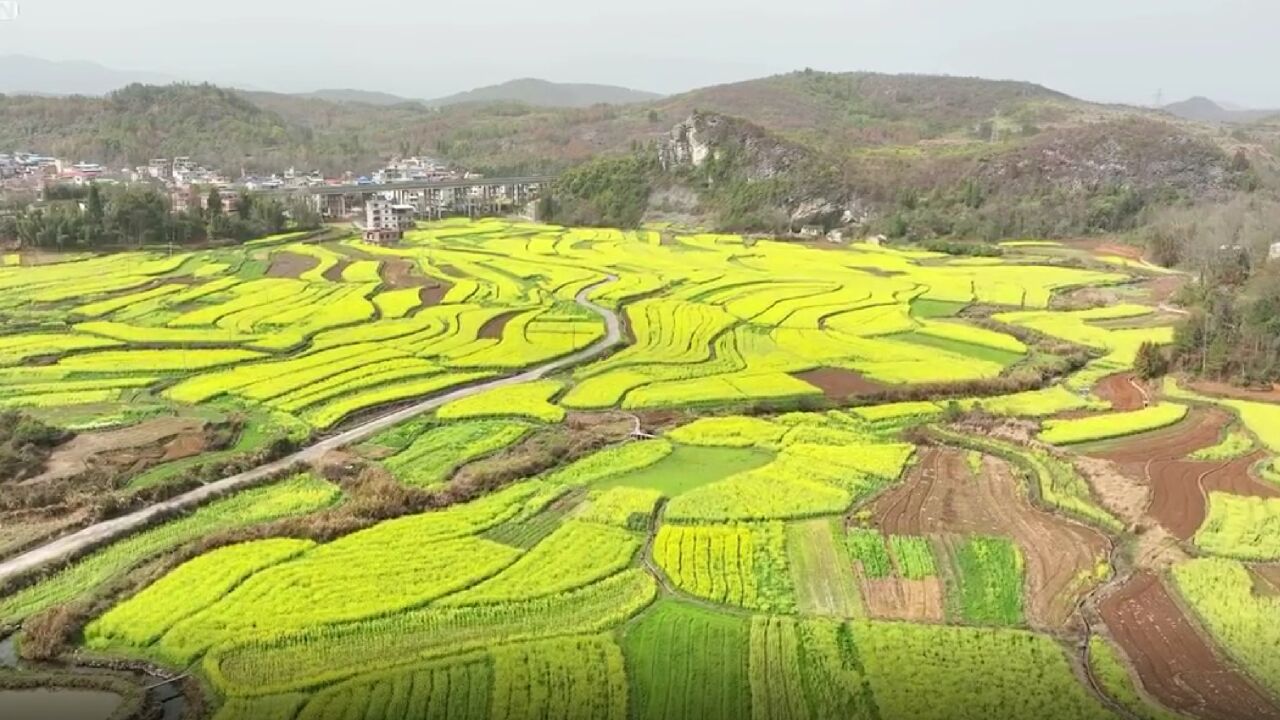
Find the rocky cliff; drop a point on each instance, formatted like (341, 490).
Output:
(732, 161)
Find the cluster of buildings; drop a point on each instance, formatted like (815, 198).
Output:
(184, 178)
(383, 203)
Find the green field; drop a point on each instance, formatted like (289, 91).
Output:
(687, 468)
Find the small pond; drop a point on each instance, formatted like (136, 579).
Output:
(57, 704)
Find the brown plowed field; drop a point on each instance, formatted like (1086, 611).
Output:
(334, 274)
(493, 327)
(838, 383)
(1122, 392)
(1179, 486)
(899, 599)
(290, 265)
(1201, 428)
(1173, 660)
(941, 496)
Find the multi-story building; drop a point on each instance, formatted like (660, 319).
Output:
(385, 221)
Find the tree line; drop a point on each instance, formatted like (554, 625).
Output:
(1233, 330)
(94, 217)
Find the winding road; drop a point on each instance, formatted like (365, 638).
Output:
(108, 531)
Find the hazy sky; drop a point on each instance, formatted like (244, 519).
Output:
(1106, 50)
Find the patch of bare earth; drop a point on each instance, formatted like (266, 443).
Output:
(838, 383)
(290, 265)
(1221, 389)
(1173, 660)
(494, 326)
(166, 438)
(942, 496)
(1179, 487)
(399, 274)
(334, 274)
(1122, 391)
(1123, 496)
(892, 598)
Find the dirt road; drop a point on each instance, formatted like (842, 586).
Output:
(108, 531)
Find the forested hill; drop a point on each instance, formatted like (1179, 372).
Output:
(920, 155)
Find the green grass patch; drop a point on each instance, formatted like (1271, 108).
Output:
(867, 547)
(989, 581)
(688, 662)
(689, 467)
(913, 557)
(970, 350)
(928, 309)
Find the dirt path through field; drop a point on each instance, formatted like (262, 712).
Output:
(1174, 661)
(941, 495)
(93, 536)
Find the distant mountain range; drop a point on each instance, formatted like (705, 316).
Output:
(541, 93)
(25, 75)
(1202, 109)
(918, 155)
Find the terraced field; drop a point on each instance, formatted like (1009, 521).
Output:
(861, 482)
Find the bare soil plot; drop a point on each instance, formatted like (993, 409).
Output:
(1124, 496)
(1174, 661)
(941, 495)
(494, 327)
(1202, 428)
(821, 571)
(1266, 580)
(1221, 389)
(290, 265)
(167, 438)
(1179, 487)
(1162, 289)
(893, 598)
(334, 274)
(838, 383)
(1122, 391)
(399, 273)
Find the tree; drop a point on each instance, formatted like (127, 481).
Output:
(1150, 361)
(213, 203)
(94, 217)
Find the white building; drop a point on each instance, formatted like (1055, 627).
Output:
(1275, 251)
(382, 222)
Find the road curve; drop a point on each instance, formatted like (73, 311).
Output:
(107, 531)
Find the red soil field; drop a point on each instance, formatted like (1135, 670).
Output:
(838, 383)
(1174, 661)
(1122, 392)
(1180, 487)
(941, 495)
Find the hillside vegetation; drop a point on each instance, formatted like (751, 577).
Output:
(918, 156)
